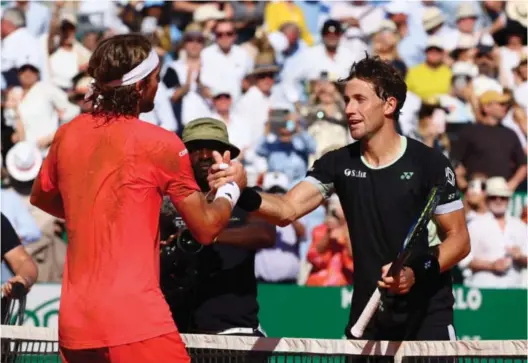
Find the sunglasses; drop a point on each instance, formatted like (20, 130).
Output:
(224, 34)
(195, 39)
(496, 197)
(265, 75)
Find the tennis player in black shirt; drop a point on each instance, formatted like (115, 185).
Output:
(382, 182)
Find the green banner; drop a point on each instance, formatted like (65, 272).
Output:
(322, 312)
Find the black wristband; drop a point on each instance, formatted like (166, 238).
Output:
(249, 200)
(425, 266)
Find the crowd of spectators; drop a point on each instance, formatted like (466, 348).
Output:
(270, 71)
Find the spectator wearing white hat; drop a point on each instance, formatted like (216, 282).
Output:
(460, 100)
(434, 24)
(499, 244)
(18, 46)
(410, 46)
(487, 63)
(384, 44)
(466, 19)
(280, 263)
(433, 77)
(239, 128)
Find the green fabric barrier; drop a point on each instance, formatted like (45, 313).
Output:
(322, 312)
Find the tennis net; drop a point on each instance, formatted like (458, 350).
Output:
(36, 344)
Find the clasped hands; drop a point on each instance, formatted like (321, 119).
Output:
(225, 170)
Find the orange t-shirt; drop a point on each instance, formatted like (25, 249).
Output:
(111, 178)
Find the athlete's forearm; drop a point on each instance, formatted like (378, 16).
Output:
(454, 248)
(216, 216)
(276, 210)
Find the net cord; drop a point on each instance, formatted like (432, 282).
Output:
(398, 350)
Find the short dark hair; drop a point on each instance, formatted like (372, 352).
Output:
(113, 58)
(386, 79)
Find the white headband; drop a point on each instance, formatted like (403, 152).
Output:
(141, 71)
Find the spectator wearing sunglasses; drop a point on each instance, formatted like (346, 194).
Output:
(498, 242)
(225, 64)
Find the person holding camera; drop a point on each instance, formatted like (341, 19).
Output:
(286, 145)
(212, 289)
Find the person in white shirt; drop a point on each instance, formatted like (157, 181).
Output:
(225, 64)
(40, 106)
(331, 57)
(498, 256)
(18, 46)
(183, 79)
(254, 105)
(280, 264)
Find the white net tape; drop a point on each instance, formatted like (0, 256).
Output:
(398, 350)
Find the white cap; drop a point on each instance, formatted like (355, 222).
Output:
(466, 41)
(497, 187)
(397, 7)
(23, 161)
(275, 179)
(387, 24)
(221, 91)
(464, 69)
(208, 12)
(435, 41)
(465, 10)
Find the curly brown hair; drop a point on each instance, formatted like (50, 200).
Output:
(387, 80)
(113, 58)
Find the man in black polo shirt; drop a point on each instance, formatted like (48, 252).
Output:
(382, 182)
(212, 289)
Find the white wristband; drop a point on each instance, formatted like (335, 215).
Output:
(229, 191)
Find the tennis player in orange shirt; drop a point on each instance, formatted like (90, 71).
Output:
(106, 174)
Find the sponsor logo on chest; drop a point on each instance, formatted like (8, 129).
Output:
(353, 173)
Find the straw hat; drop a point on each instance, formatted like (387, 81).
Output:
(23, 161)
(208, 12)
(432, 17)
(497, 187)
(264, 63)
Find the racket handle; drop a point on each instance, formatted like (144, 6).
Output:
(359, 328)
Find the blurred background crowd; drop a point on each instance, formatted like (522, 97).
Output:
(270, 71)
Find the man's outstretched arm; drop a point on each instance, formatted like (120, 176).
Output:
(282, 210)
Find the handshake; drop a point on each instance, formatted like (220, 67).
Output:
(225, 171)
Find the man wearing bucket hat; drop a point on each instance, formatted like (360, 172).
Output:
(498, 242)
(221, 295)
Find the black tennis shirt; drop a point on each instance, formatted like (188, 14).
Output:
(380, 205)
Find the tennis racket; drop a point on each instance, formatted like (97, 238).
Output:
(410, 241)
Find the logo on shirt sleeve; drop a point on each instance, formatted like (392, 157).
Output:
(183, 152)
(450, 176)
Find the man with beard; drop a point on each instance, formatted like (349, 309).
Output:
(212, 289)
(105, 175)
